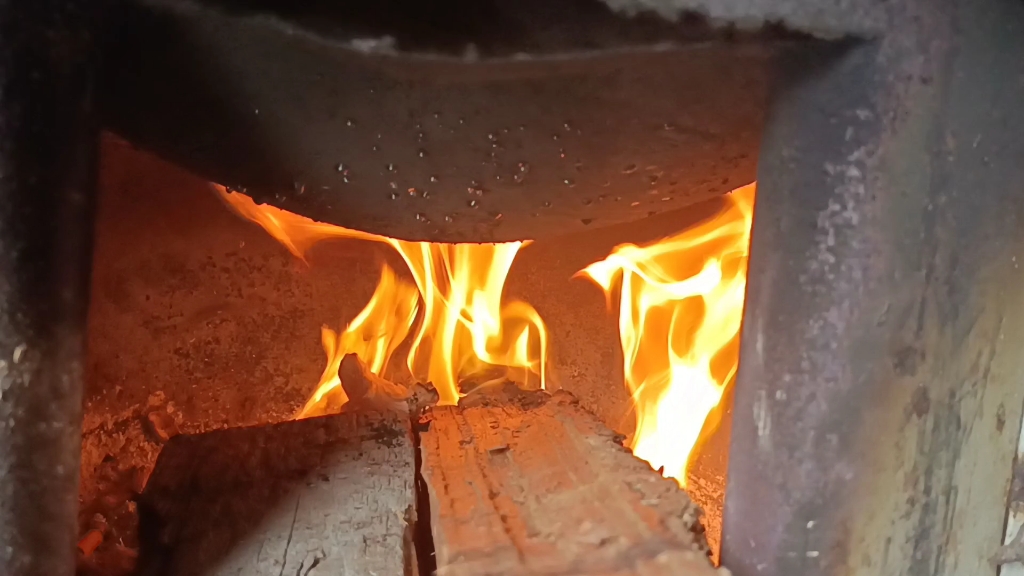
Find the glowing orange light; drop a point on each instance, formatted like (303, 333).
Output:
(680, 308)
(464, 329)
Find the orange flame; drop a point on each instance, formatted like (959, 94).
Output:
(680, 309)
(465, 330)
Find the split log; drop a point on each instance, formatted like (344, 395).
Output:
(537, 485)
(330, 495)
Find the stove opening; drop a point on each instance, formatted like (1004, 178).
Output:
(201, 321)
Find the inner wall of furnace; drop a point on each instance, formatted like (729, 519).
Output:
(192, 302)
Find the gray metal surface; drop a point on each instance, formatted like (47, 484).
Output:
(821, 18)
(436, 149)
(47, 162)
(879, 392)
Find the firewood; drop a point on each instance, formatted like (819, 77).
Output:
(537, 485)
(329, 495)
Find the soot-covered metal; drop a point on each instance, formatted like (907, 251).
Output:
(444, 144)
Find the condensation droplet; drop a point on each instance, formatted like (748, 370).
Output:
(497, 216)
(462, 120)
(629, 169)
(394, 195)
(412, 191)
(666, 198)
(375, 148)
(434, 179)
(437, 115)
(569, 182)
(561, 152)
(519, 177)
(391, 167)
(547, 204)
(524, 167)
(522, 127)
(567, 126)
(422, 217)
(350, 122)
(653, 179)
(491, 136)
(425, 194)
(634, 204)
(554, 136)
(422, 153)
(448, 218)
(345, 179)
(340, 167)
(472, 203)
(394, 186)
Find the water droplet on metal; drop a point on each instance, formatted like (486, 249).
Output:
(422, 217)
(634, 204)
(629, 169)
(462, 121)
(375, 148)
(561, 152)
(554, 136)
(437, 115)
(448, 218)
(666, 198)
(567, 126)
(519, 177)
(504, 130)
(524, 167)
(393, 185)
(412, 191)
(340, 167)
(522, 127)
(391, 167)
(350, 122)
(475, 190)
(345, 179)
(497, 177)
(425, 194)
(668, 126)
(491, 136)
(472, 203)
(257, 111)
(394, 195)
(418, 126)
(434, 179)
(547, 204)
(653, 179)
(497, 216)
(422, 153)
(569, 182)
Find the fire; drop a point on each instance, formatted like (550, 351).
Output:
(465, 332)
(680, 309)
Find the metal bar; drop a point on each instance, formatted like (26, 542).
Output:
(47, 173)
(879, 390)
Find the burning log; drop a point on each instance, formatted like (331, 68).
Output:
(536, 485)
(335, 493)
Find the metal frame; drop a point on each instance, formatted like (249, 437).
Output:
(879, 394)
(47, 174)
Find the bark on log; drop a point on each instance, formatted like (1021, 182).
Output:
(536, 485)
(331, 495)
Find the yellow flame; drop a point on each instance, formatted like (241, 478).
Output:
(464, 330)
(680, 309)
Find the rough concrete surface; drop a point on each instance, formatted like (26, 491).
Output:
(200, 315)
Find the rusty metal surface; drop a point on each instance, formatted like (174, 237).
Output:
(435, 149)
(879, 390)
(47, 154)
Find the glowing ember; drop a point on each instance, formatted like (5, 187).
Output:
(680, 308)
(464, 330)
